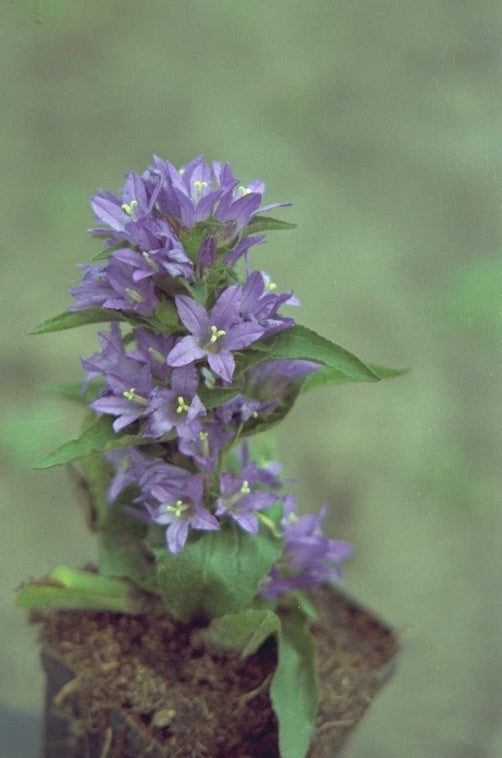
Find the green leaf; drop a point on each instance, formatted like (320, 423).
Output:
(69, 588)
(293, 690)
(92, 477)
(103, 255)
(305, 605)
(195, 236)
(300, 343)
(71, 319)
(73, 390)
(265, 224)
(216, 572)
(97, 437)
(213, 397)
(327, 376)
(167, 317)
(383, 372)
(122, 549)
(243, 632)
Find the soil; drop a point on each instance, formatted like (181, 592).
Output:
(140, 686)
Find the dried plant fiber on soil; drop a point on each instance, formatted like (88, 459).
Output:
(142, 685)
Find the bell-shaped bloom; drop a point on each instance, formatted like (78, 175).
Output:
(126, 400)
(111, 285)
(309, 557)
(213, 335)
(240, 500)
(177, 505)
(176, 408)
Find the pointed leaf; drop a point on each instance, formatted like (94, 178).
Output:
(328, 376)
(97, 437)
(71, 319)
(216, 396)
(103, 255)
(293, 690)
(265, 224)
(215, 572)
(73, 390)
(69, 588)
(300, 343)
(243, 632)
(388, 373)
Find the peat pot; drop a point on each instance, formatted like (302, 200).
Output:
(121, 686)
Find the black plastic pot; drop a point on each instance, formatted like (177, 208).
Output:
(356, 656)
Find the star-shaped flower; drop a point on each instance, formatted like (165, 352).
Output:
(178, 407)
(179, 507)
(214, 334)
(239, 500)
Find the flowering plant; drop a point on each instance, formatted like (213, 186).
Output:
(197, 360)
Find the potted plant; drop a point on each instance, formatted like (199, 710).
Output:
(211, 625)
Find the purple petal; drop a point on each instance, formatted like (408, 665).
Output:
(243, 334)
(176, 536)
(185, 351)
(109, 213)
(202, 519)
(193, 315)
(223, 364)
(184, 380)
(247, 521)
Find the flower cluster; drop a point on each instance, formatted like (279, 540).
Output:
(190, 376)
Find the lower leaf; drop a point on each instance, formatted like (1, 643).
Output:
(294, 691)
(216, 572)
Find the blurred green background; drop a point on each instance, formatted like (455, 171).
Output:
(382, 122)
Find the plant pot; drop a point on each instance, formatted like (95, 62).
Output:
(123, 686)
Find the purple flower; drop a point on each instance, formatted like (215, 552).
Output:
(177, 504)
(153, 349)
(110, 285)
(122, 216)
(213, 335)
(242, 247)
(239, 501)
(170, 259)
(130, 465)
(127, 400)
(267, 473)
(205, 447)
(198, 192)
(257, 302)
(178, 407)
(112, 359)
(240, 409)
(309, 557)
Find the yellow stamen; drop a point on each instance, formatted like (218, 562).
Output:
(204, 443)
(177, 508)
(129, 207)
(148, 258)
(245, 489)
(215, 334)
(134, 295)
(157, 355)
(182, 406)
(198, 188)
(134, 397)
